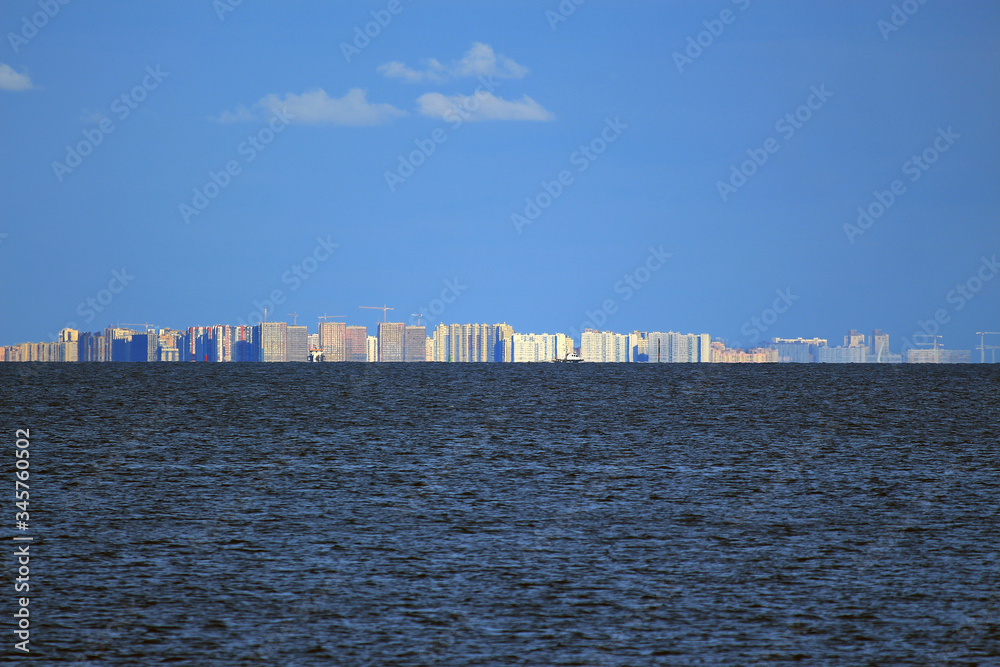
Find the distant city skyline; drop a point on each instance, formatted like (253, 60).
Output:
(394, 342)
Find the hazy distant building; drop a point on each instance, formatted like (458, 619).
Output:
(673, 347)
(470, 342)
(720, 354)
(938, 356)
(415, 343)
(854, 339)
(357, 343)
(607, 346)
(798, 350)
(296, 343)
(857, 354)
(93, 346)
(524, 348)
(69, 345)
(271, 341)
(120, 343)
(390, 341)
(144, 346)
(333, 341)
(371, 345)
(244, 344)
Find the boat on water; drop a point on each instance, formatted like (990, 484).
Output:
(572, 357)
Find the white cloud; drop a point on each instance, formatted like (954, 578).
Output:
(241, 114)
(481, 106)
(480, 60)
(318, 108)
(11, 80)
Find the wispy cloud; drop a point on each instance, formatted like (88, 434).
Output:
(317, 108)
(481, 106)
(480, 60)
(11, 80)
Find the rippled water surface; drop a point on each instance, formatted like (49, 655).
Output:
(415, 514)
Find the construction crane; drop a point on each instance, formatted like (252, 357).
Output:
(384, 310)
(983, 346)
(326, 317)
(418, 316)
(295, 318)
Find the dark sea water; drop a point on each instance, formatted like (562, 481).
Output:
(500, 514)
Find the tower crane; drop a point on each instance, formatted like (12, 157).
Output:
(384, 310)
(983, 346)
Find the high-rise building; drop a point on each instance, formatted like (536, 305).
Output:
(720, 354)
(878, 345)
(390, 341)
(297, 342)
(854, 339)
(120, 343)
(857, 354)
(798, 350)
(607, 346)
(94, 347)
(415, 343)
(371, 345)
(69, 345)
(144, 346)
(938, 356)
(672, 347)
(169, 342)
(244, 343)
(469, 342)
(221, 343)
(333, 341)
(534, 347)
(271, 341)
(357, 343)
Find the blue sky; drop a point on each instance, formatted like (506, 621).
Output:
(507, 94)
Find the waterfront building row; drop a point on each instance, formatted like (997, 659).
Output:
(400, 342)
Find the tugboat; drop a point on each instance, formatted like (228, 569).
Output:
(572, 357)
